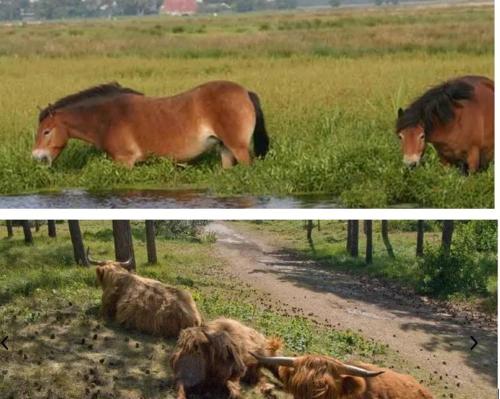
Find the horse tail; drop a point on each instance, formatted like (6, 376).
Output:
(260, 136)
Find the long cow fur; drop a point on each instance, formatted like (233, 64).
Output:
(144, 304)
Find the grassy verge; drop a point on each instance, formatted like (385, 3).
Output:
(331, 86)
(61, 348)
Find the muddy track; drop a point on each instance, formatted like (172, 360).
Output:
(423, 334)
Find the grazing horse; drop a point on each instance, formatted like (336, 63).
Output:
(456, 117)
(130, 127)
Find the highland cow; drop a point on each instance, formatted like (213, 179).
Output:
(323, 377)
(144, 304)
(216, 356)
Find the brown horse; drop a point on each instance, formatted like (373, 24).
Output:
(130, 127)
(456, 117)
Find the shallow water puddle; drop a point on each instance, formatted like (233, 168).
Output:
(164, 199)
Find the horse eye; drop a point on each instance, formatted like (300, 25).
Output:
(46, 132)
(422, 136)
(400, 136)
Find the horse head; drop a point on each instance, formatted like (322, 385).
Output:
(51, 137)
(412, 142)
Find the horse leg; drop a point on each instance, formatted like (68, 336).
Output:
(242, 155)
(473, 159)
(227, 158)
(126, 160)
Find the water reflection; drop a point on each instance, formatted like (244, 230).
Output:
(161, 199)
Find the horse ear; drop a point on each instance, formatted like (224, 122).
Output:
(400, 112)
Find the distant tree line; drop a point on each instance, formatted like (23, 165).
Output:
(61, 9)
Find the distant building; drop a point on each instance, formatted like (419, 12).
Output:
(180, 7)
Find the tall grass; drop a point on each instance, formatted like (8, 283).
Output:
(330, 84)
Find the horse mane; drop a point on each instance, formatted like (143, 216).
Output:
(435, 105)
(96, 92)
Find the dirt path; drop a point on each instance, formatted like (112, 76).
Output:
(438, 342)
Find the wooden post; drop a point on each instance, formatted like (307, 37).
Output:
(150, 242)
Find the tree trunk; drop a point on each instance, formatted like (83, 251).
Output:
(77, 241)
(354, 250)
(349, 237)
(448, 227)
(150, 241)
(385, 238)
(28, 237)
(124, 249)
(369, 242)
(420, 238)
(10, 232)
(51, 224)
(309, 228)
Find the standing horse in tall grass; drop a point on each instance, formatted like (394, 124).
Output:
(131, 127)
(457, 118)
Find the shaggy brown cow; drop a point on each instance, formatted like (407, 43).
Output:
(323, 377)
(142, 303)
(217, 355)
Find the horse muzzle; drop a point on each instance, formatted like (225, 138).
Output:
(411, 160)
(42, 156)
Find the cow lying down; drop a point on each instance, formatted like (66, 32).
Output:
(217, 356)
(144, 304)
(324, 377)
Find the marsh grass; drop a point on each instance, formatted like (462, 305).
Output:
(48, 304)
(330, 84)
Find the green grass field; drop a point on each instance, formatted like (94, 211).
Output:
(49, 308)
(330, 85)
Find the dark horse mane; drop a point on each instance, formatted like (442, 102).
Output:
(435, 105)
(96, 92)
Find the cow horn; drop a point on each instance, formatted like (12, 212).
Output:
(127, 263)
(93, 261)
(348, 369)
(274, 361)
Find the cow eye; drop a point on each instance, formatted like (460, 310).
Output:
(422, 136)
(46, 132)
(400, 136)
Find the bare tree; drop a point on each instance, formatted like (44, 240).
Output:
(124, 248)
(10, 232)
(77, 242)
(51, 225)
(385, 238)
(420, 238)
(369, 242)
(150, 242)
(28, 237)
(448, 227)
